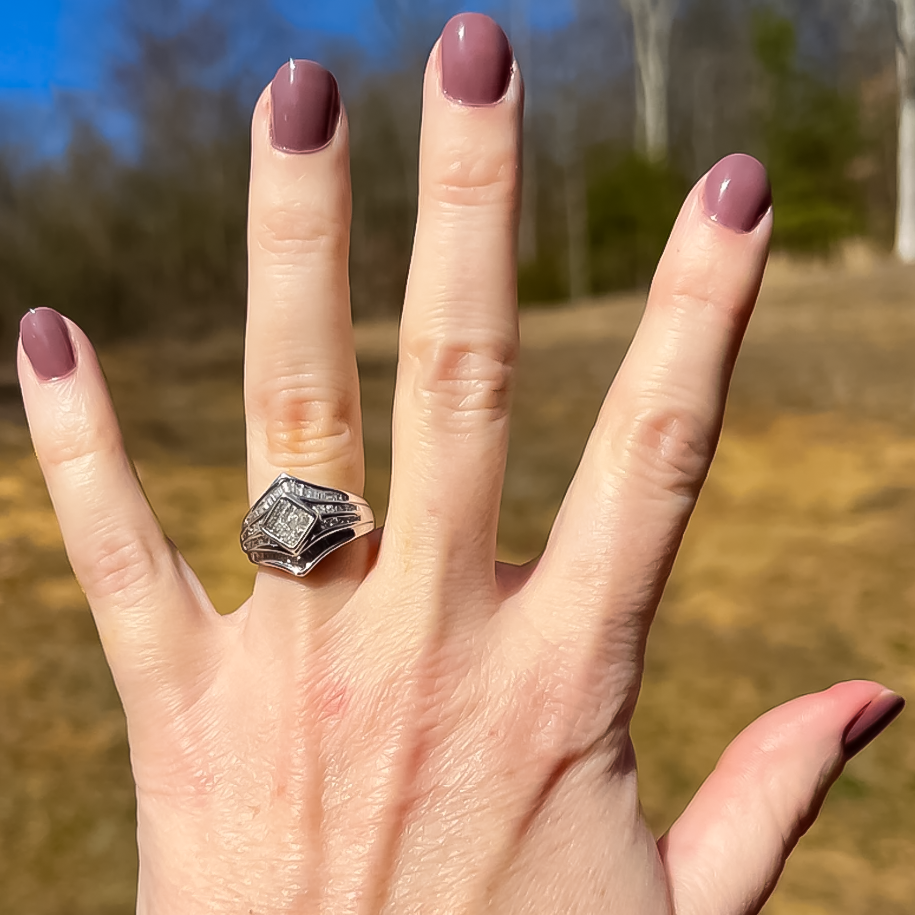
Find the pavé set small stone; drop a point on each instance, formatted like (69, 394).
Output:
(295, 524)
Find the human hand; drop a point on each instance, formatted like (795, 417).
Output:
(414, 728)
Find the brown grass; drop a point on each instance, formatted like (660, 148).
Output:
(797, 571)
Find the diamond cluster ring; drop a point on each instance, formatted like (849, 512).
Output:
(295, 524)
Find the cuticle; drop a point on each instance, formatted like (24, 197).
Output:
(462, 104)
(302, 152)
(55, 378)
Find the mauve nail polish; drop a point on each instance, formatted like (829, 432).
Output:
(305, 106)
(737, 192)
(872, 721)
(476, 60)
(46, 342)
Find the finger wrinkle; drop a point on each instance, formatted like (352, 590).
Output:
(79, 452)
(468, 176)
(309, 434)
(118, 565)
(289, 234)
(465, 384)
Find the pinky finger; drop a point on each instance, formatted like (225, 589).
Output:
(147, 605)
(726, 851)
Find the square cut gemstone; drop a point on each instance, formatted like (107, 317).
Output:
(288, 523)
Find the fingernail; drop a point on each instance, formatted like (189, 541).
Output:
(737, 192)
(305, 107)
(476, 60)
(872, 721)
(46, 342)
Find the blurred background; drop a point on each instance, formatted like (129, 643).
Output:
(123, 173)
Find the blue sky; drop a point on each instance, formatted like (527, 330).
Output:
(54, 49)
(51, 43)
(62, 44)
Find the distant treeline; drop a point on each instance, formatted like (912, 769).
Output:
(147, 234)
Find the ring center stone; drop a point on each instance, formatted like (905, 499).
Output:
(288, 524)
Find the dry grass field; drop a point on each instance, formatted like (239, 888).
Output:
(797, 571)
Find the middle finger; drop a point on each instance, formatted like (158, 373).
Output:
(459, 335)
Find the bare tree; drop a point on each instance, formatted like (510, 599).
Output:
(652, 21)
(905, 64)
(570, 60)
(575, 199)
(905, 144)
(520, 18)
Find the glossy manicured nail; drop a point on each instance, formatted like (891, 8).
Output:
(305, 106)
(46, 342)
(737, 193)
(872, 721)
(476, 60)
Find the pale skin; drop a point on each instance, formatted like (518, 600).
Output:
(414, 728)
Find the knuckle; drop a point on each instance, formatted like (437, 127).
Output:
(467, 175)
(465, 384)
(77, 445)
(291, 229)
(669, 451)
(121, 567)
(308, 427)
(708, 296)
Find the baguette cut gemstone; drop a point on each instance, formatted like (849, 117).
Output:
(288, 524)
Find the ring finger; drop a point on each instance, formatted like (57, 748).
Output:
(301, 383)
(301, 386)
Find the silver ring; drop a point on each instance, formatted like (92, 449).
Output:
(295, 524)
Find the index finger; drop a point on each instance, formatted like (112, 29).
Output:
(618, 531)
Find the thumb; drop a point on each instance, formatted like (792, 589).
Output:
(727, 850)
